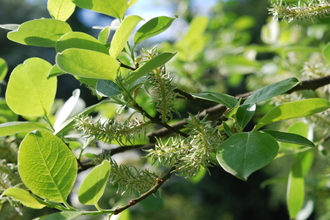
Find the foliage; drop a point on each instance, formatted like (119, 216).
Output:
(150, 92)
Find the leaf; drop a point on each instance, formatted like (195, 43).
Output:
(60, 9)
(93, 186)
(87, 63)
(227, 129)
(104, 35)
(131, 2)
(64, 215)
(29, 92)
(41, 32)
(272, 90)
(107, 88)
(326, 52)
(55, 71)
(114, 8)
(67, 109)
(11, 27)
(3, 69)
(13, 127)
(6, 114)
(79, 40)
(227, 100)
(294, 110)
(245, 153)
(47, 166)
(122, 34)
(153, 27)
(244, 114)
(24, 197)
(149, 66)
(290, 138)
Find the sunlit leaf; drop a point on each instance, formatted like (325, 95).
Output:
(20, 126)
(47, 166)
(122, 34)
(93, 186)
(29, 91)
(294, 110)
(24, 197)
(244, 153)
(87, 63)
(3, 69)
(41, 32)
(60, 9)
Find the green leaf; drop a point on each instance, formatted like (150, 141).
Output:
(122, 34)
(107, 88)
(104, 35)
(131, 2)
(65, 215)
(244, 114)
(227, 100)
(295, 189)
(87, 63)
(24, 197)
(93, 186)
(114, 8)
(47, 166)
(55, 71)
(199, 176)
(79, 40)
(149, 66)
(6, 114)
(29, 92)
(290, 138)
(60, 9)
(244, 153)
(3, 69)
(41, 32)
(152, 27)
(13, 127)
(227, 129)
(326, 52)
(272, 90)
(11, 27)
(294, 110)
(67, 110)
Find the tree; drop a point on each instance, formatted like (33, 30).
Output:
(166, 102)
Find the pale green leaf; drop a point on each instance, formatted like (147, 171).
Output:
(13, 127)
(114, 8)
(104, 35)
(41, 32)
(65, 215)
(131, 2)
(290, 138)
(150, 65)
(24, 197)
(93, 186)
(3, 69)
(55, 71)
(122, 34)
(245, 153)
(60, 9)
(272, 90)
(11, 27)
(29, 92)
(294, 110)
(227, 100)
(47, 166)
(79, 40)
(87, 63)
(153, 27)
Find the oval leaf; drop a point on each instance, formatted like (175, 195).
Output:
(272, 90)
(41, 32)
(29, 91)
(114, 8)
(79, 40)
(20, 126)
(107, 88)
(121, 36)
(244, 114)
(47, 166)
(87, 63)
(60, 9)
(24, 197)
(152, 27)
(149, 66)
(227, 100)
(290, 138)
(294, 110)
(244, 153)
(93, 186)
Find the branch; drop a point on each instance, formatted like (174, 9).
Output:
(159, 183)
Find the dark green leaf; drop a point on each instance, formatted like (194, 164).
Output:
(227, 100)
(107, 88)
(244, 114)
(290, 138)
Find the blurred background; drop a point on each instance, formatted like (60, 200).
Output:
(233, 24)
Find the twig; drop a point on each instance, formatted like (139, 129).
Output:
(154, 189)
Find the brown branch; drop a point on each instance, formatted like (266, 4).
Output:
(153, 190)
(312, 84)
